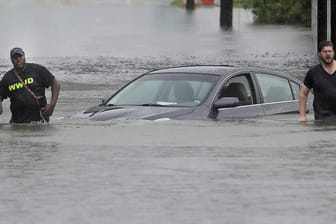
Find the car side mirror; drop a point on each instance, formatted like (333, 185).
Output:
(226, 102)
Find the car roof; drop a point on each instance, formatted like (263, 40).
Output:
(201, 69)
(221, 70)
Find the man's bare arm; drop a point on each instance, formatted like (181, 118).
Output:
(50, 107)
(303, 103)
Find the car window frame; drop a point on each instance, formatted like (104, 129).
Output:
(249, 78)
(254, 109)
(291, 82)
(260, 93)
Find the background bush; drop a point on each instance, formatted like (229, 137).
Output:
(279, 11)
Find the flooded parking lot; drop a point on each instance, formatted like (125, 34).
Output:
(263, 170)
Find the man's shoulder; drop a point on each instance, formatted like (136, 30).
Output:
(8, 74)
(7, 78)
(34, 66)
(40, 72)
(314, 71)
(37, 68)
(316, 68)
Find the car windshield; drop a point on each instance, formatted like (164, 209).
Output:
(187, 90)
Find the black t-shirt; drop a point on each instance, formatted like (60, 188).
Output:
(324, 87)
(23, 106)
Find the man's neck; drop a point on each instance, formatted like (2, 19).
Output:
(20, 70)
(330, 67)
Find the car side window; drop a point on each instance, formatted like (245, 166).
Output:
(274, 88)
(240, 87)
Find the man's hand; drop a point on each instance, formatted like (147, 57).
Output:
(48, 110)
(303, 119)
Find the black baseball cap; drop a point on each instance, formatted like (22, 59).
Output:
(15, 51)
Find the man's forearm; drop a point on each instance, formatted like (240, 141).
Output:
(0, 105)
(55, 89)
(302, 105)
(304, 91)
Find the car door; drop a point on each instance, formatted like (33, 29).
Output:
(242, 87)
(279, 95)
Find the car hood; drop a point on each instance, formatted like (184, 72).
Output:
(104, 113)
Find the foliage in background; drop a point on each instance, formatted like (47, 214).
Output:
(272, 11)
(246, 4)
(280, 11)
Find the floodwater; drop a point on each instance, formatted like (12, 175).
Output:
(264, 170)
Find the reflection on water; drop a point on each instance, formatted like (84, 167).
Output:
(265, 170)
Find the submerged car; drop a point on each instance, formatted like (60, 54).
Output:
(201, 92)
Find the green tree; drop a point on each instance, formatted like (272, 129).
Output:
(280, 11)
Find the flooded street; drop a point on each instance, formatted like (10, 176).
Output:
(263, 170)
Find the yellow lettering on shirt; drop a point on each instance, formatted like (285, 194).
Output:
(29, 81)
(19, 85)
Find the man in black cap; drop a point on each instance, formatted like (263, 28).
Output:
(25, 85)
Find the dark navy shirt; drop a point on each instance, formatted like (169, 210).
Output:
(324, 88)
(23, 106)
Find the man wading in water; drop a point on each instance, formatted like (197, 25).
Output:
(322, 79)
(25, 85)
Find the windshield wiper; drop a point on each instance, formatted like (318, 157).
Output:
(145, 105)
(152, 105)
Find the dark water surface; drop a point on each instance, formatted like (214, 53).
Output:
(265, 170)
